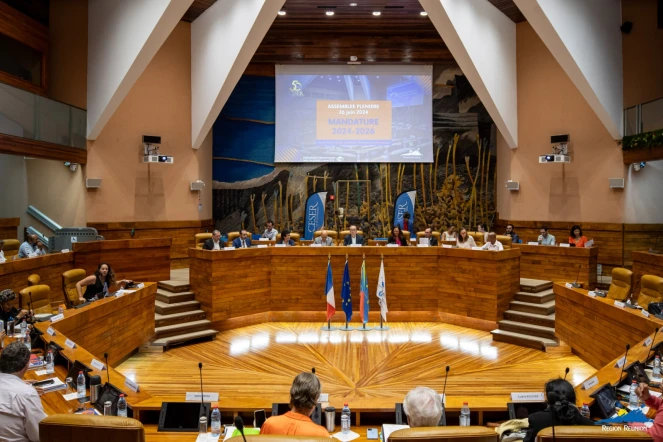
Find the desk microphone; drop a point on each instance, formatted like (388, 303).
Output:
(652, 345)
(202, 395)
(239, 424)
(600, 292)
(444, 395)
(566, 372)
(107, 370)
(313, 370)
(623, 367)
(575, 285)
(628, 303)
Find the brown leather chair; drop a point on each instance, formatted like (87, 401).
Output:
(620, 289)
(406, 234)
(505, 240)
(333, 234)
(293, 236)
(651, 290)
(200, 239)
(478, 238)
(585, 433)
(345, 233)
(80, 427)
(41, 300)
(434, 233)
(34, 279)
(232, 236)
(277, 438)
(456, 434)
(11, 248)
(69, 280)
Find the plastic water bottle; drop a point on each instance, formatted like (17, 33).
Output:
(633, 398)
(465, 415)
(50, 367)
(216, 422)
(24, 327)
(345, 419)
(80, 384)
(122, 406)
(657, 367)
(584, 411)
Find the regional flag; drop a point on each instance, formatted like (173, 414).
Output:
(363, 294)
(382, 293)
(346, 295)
(331, 304)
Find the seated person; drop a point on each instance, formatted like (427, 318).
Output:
(432, 241)
(450, 234)
(406, 221)
(270, 232)
(39, 250)
(285, 238)
(423, 407)
(243, 242)
(2, 253)
(20, 406)
(353, 237)
(397, 237)
(99, 284)
(545, 238)
(465, 241)
(576, 238)
(28, 247)
(561, 400)
(492, 243)
(8, 311)
(304, 395)
(481, 228)
(656, 430)
(214, 243)
(515, 239)
(323, 239)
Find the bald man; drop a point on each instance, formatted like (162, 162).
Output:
(323, 239)
(493, 243)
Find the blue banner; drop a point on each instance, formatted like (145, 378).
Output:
(315, 213)
(405, 204)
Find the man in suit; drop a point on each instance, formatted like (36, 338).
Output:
(214, 243)
(243, 242)
(353, 237)
(323, 239)
(432, 241)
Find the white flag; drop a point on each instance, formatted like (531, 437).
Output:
(382, 293)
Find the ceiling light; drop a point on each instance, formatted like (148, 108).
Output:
(377, 13)
(424, 13)
(329, 12)
(353, 4)
(281, 12)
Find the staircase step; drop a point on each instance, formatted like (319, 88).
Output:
(185, 327)
(178, 318)
(174, 286)
(534, 285)
(171, 298)
(527, 329)
(540, 309)
(530, 318)
(165, 309)
(536, 298)
(522, 340)
(184, 337)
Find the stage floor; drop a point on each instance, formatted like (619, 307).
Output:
(252, 367)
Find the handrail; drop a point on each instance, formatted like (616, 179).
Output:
(643, 117)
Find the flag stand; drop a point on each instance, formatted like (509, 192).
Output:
(364, 328)
(328, 327)
(346, 327)
(382, 326)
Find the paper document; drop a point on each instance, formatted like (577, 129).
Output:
(387, 429)
(346, 437)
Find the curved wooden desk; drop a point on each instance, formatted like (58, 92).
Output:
(559, 264)
(247, 286)
(14, 274)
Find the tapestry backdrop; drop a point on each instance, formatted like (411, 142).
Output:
(458, 188)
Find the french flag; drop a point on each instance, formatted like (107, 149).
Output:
(331, 304)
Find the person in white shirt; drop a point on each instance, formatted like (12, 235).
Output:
(270, 232)
(450, 234)
(214, 243)
(545, 238)
(465, 241)
(20, 406)
(39, 250)
(28, 247)
(2, 253)
(493, 243)
(323, 239)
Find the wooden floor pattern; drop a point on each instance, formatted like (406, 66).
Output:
(252, 367)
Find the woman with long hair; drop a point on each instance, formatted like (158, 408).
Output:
(397, 237)
(450, 234)
(99, 284)
(576, 237)
(562, 409)
(465, 241)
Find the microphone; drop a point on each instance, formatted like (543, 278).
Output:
(566, 372)
(628, 303)
(623, 367)
(444, 395)
(600, 292)
(107, 370)
(313, 370)
(239, 424)
(575, 285)
(202, 395)
(652, 345)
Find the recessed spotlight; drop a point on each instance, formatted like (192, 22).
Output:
(329, 12)
(281, 12)
(353, 4)
(377, 13)
(424, 13)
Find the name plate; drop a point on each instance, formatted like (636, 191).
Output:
(64, 250)
(565, 245)
(316, 245)
(568, 285)
(392, 245)
(591, 294)
(262, 246)
(211, 397)
(50, 331)
(645, 313)
(263, 239)
(447, 246)
(647, 342)
(477, 248)
(140, 286)
(279, 245)
(98, 365)
(527, 397)
(359, 245)
(422, 245)
(131, 385)
(324, 397)
(620, 362)
(57, 318)
(69, 343)
(228, 248)
(619, 304)
(590, 383)
(532, 243)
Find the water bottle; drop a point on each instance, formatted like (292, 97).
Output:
(122, 406)
(27, 342)
(465, 415)
(80, 384)
(24, 327)
(584, 411)
(345, 419)
(633, 398)
(60, 309)
(216, 422)
(657, 367)
(50, 367)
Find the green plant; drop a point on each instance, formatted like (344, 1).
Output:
(643, 140)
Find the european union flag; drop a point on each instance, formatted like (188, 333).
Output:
(346, 296)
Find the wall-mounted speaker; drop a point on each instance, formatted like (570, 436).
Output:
(197, 185)
(513, 185)
(616, 183)
(558, 139)
(150, 139)
(93, 183)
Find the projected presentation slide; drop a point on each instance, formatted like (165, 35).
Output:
(343, 114)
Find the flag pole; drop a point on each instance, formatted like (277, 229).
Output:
(363, 326)
(347, 327)
(382, 326)
(328, 327)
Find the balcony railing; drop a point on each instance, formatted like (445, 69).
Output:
(644, 117)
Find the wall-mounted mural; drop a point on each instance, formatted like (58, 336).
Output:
(458, 188)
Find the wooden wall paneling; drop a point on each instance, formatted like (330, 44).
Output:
(641, 237)
(559, 264)
(12, 145)
(9, 228)
(645, 263)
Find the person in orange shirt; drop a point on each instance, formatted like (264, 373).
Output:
(304, 395)
(576, 237)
